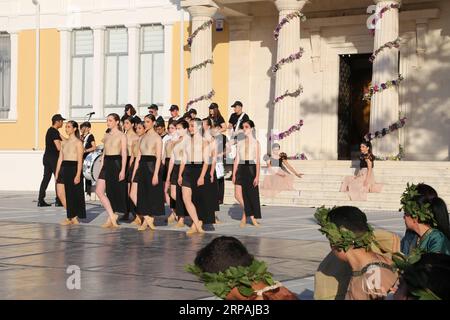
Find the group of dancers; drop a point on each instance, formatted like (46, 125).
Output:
(144, 168)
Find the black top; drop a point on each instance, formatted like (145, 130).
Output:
(217, 122)
(221, 143)
(362, 160)
(234, 119)
(88, 143)
(50, 147)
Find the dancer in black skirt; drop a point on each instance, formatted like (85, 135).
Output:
(111, 179)
(147, 174)
(132, 137)
(246, 170)
(140, 131)
(69, 185)
(174, 170)
(167, 151)
(211, 186)
(194, 175)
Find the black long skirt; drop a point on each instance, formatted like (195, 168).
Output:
(116, 191)
(150, 198)
(200, 194)
(165, 168)
(213, 189)
(245, 175)
(180, 209)
(129, 172)
(76, 206)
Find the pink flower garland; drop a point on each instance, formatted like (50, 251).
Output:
(382, 12)
(390, 45)
(194, 34)
(284, 134)
(294, 94)
(198, 66)
(381, 87)
(204, 97)
(291, 58)
(290, 16)
(381, 133)
(298, 156)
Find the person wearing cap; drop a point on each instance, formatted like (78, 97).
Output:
(216, 117)
(153, 109)
(237, 118)
(174, 113)
(50, 160)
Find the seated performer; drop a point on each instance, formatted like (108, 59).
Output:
(363, 182)
(428, 219)
(279, 176)
(428, 278)
(351, 238)
(231, 273)
(69, 185)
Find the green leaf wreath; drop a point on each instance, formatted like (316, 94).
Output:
(341, 237)
(414, 209)
(242, 278)
(415, 278)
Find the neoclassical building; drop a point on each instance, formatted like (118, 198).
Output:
(95, 56)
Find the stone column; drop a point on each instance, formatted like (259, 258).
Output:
(385, 104)
(200, 81)
(287, 111)
(99, 68)
(65, 36)
(133, 64)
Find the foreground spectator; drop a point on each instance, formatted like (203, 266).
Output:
(231, 273)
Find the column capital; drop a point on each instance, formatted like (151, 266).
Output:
(388, 1)
(239, 23)
(290, 4)
(102, 28)
(202, 11)
(132, 26)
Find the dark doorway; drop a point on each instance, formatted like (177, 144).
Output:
(355, 76)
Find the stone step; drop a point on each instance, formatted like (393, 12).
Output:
(378, 164)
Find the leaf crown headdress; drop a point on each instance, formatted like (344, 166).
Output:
(413, 208)
(341, 237)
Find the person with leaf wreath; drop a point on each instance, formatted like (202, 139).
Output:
(231, 273)
(351, 238)
(423, 276)
(428, 219)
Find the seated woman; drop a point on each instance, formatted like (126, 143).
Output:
(426, 279)
(279, 176)
(333, 275)
(231, 273)
(363, 182)
(428, 219)
(351, 238)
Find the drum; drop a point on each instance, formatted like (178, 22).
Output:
(92, 165)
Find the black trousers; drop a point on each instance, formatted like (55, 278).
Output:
(49, 163)
(221, 185)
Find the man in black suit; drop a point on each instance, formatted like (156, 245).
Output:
(52, 147)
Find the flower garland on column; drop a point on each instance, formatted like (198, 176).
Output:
(379, 16)
(199, 66)
(189, 70)
(381, 133)
(390, 45)
(381, 87)
(290, 59)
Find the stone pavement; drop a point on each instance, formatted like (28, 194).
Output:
(35, 251)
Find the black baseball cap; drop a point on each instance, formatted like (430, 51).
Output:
(57, 117)
(174, 107)
(213, 106)
(236, 103)
(153, 107)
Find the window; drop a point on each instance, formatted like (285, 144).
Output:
(5, 75)
(116, 70)
(82, 73)
(151, 80)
